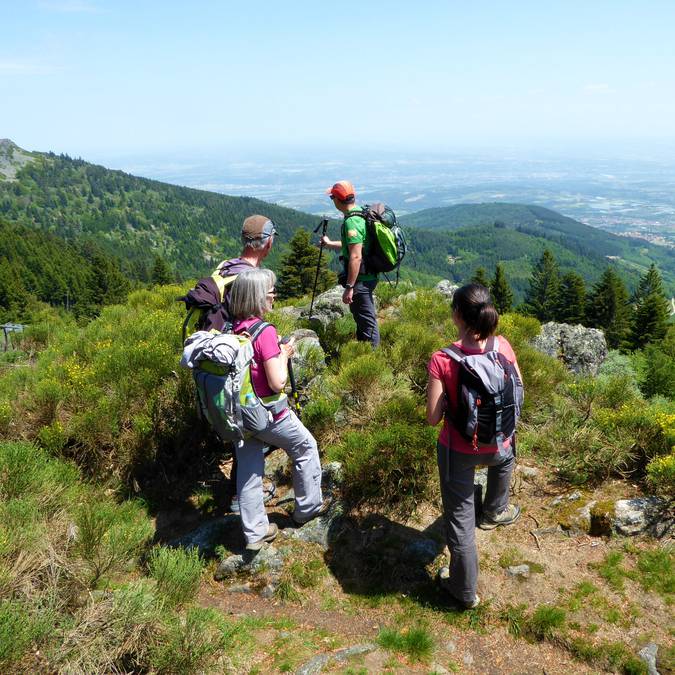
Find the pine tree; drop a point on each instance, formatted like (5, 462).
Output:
(607, 308)
(298, 269)
(502, 295)
(161, 272)
(543, 296)
(652, 311)
(572, 308)
(480, 277)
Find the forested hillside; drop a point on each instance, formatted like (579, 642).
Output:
(42, 266)
(480, 234)
(135, 218)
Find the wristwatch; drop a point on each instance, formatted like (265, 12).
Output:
(349, 286)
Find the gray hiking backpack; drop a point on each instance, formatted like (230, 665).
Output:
(489, 396)
(221, 369)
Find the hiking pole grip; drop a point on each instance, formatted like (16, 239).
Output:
(323, 226)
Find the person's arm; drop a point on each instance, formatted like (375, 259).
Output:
(331, 244)
(435, 401)
(276, 368)
(353, 269)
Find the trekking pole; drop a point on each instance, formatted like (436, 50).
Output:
(291, 377)
(323, 226)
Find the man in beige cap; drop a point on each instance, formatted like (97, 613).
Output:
(257, 238)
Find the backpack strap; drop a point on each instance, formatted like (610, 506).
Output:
(454, 352)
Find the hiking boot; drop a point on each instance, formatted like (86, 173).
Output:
(272, 532)
(507, 517)
(443, 578)
(321, 511)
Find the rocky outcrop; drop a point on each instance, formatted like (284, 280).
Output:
(446, 288)
(328, 307)
(581, 349)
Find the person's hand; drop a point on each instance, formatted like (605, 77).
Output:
(288, 347)
(325, 241)
(348, 296)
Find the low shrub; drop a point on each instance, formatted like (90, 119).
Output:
(546, 621)
(661, 474)
(177, 572)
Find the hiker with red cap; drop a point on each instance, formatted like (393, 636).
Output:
(354, 246)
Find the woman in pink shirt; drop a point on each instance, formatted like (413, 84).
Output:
(476, 320)
(250, 299)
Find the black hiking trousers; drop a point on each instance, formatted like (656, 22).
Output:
(363, 311)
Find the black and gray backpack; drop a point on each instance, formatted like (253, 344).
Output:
(489, 396)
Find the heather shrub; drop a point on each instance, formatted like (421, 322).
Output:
(177, 572)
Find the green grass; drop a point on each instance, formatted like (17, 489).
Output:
(657, 572)
(416, 643)
(546, 621)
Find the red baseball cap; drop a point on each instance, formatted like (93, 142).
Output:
(342, 190)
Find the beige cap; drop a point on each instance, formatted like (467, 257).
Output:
(258, 227)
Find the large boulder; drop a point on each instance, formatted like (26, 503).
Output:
(328, 307)
(581, 349)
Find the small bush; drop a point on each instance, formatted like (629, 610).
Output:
(177, 572)
(189, 643)
(417, 643)
(657, 571)
(17, 633)
(661, 474)
(515, 618)
(545, 621)
(109, 535)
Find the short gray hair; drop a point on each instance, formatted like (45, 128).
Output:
(255, 244)
(248, 296)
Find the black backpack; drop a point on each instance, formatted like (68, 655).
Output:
(209, 298)
(489, 396)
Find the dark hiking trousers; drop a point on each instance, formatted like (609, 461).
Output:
(363, 311)
(457, 471)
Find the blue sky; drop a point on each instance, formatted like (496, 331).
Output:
(95, 77)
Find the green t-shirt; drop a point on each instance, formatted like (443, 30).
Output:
(354, 232)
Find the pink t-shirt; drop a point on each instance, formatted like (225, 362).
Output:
(265, 347)
(443, 368)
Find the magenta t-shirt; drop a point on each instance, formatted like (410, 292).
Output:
(443, 368)
(265, 347)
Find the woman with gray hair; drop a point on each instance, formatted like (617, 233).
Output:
(251, 298)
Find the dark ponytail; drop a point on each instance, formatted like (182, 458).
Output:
(474, 306)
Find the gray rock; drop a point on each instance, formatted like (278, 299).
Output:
(468, 659)
(240, 588)
(211, 534)
(422, 551)
(268, 559)
(450, 647)
(320, 661)
(528, 471)
(519, 571)
(268, 591)
(581, 349)
(648, 655)
(321, 530)
(291, 312)
(309, 358)
(480, 478)
(643, 514)
(229, 567)
(446, 288)
(438, 669)
(328, 307)
(332, 475)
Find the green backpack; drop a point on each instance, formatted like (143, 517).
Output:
(387, 245)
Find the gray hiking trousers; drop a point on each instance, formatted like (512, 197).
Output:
(290, 434)
(363, 311)
(457, 471)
